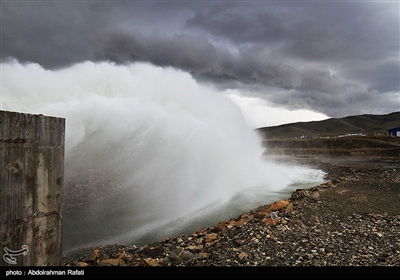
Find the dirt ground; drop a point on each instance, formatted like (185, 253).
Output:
(370, 159)
(374, 187)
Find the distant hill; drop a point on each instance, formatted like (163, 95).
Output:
(333, 127)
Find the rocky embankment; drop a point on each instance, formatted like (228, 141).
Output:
(352, 220)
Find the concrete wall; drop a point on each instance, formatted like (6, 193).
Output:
(31, 184)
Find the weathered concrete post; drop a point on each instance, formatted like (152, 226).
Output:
(31, 183)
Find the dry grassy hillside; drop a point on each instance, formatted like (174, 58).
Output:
(370, 125)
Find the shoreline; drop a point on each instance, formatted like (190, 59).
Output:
(357, 209)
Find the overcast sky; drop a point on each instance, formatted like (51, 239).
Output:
(336, 58)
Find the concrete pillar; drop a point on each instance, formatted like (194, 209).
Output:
(31, 185)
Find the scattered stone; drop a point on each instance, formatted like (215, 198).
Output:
(242, 255)
(211, 237)
(153, 262)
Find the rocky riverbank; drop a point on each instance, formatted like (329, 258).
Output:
(352, 220)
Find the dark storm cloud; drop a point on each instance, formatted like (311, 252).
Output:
(333, 57)
(228, 22)
(359, 41)
(316, 30)
(42, 32)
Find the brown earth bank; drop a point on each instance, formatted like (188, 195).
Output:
(379, 146)
(352, 220)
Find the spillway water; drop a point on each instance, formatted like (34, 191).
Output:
(149, 152)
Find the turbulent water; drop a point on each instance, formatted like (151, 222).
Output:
(149, 152)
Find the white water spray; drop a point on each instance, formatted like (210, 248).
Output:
(148, 150)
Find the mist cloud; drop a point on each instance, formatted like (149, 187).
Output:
(148, 150)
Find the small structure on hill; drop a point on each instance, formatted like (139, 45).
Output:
(395, 132)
